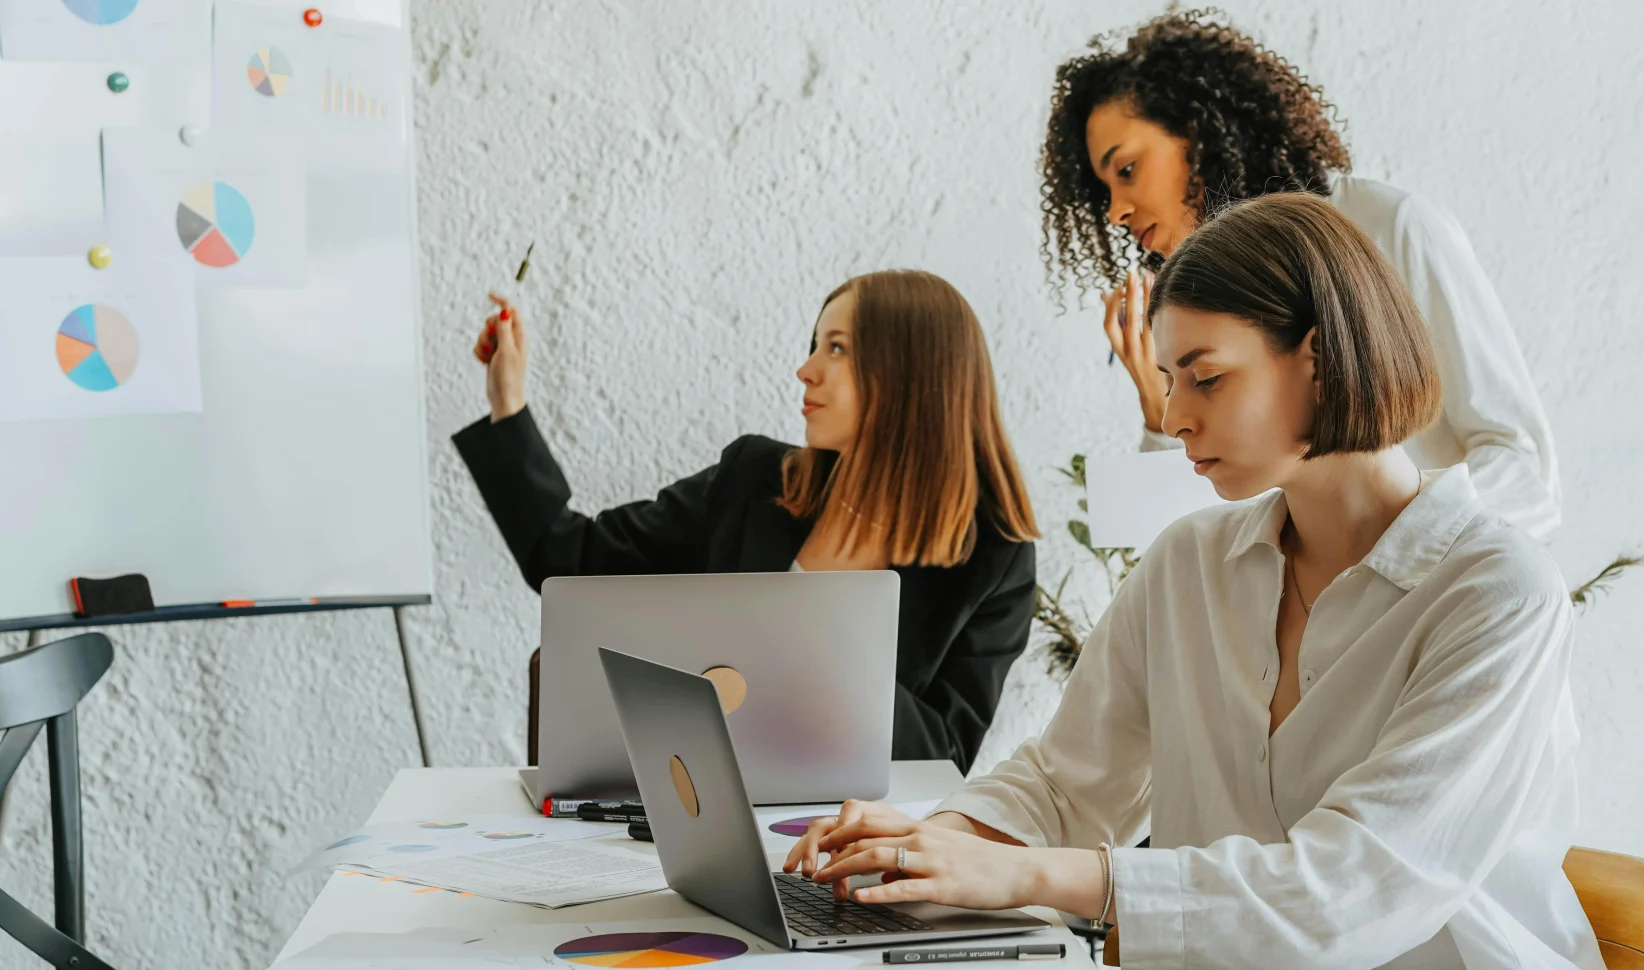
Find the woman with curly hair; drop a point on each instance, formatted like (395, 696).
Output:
(1149, 133)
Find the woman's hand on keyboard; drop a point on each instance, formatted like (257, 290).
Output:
(853, 817)
(937, 864)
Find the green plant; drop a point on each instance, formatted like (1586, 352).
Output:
(1584, 595)
(1063, 634)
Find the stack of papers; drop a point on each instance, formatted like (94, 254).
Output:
(514, 858)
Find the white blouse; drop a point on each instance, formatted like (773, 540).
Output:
(1492, 416)
(1412, 811)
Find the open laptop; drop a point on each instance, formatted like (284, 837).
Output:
(708, 839)
(776, 643)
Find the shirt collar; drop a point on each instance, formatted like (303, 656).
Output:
(1413, 544)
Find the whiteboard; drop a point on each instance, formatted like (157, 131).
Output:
(304, 475)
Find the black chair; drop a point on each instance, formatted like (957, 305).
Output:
(40, 687)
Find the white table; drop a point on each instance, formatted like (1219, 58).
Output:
(361, 904)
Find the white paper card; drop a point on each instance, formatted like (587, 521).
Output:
(437, 838)
(77, 342)
(232, 206)
(140, 31)
(1132, 498)
(339, 89)
(55, 173)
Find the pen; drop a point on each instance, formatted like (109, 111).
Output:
(295, 601)
(525, 264)
(640, 832)
(624, 812)
(1027, 951)
(1122, 308)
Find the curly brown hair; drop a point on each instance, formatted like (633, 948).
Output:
(1252, 122)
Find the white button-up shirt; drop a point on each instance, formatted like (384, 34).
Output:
(1414, 809)
(1492, 418)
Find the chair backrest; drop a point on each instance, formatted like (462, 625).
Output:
(45, 681)
(1611, 889)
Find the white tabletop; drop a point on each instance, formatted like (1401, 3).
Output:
(361, 904)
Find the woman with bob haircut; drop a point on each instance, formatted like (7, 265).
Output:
(1343, 703)
(905, 466)
(1150, 132)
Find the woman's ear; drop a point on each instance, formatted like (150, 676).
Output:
(1310, 360)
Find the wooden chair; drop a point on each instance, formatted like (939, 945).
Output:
(1611, 889)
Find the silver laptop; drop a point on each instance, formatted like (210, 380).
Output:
(708, 839)
(806, 664)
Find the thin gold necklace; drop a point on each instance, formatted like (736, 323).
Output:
(1290, 570)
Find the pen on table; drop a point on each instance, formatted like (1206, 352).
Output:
(246, 604)
(626, 812)
(1027, 951)
(640, 832)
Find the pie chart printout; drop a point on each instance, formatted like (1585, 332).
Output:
(649, 950)
(794, 827)
(101, 12)
(97, 347)
(269, 72)
(215, 224)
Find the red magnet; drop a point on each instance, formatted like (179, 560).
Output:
(312, 17)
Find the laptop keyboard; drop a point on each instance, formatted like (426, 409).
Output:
(812, 911)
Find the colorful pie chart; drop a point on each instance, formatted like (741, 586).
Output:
(101, 12)
(215, 224)
(412, 848)
(503, 836)
(794, 826)
(443, 825)
(269, 72)
(645, 950)
(97, 347)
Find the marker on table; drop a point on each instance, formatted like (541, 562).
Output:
(625, 812)
(1027, 951)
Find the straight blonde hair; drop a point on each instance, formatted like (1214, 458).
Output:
(930, 460)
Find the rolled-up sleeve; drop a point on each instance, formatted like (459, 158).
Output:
(1490, 402)
(1400, 842)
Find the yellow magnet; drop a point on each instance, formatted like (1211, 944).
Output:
(100, 256)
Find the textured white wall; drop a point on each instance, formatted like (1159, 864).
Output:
(697, 176)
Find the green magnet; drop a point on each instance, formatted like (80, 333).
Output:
(118, 82)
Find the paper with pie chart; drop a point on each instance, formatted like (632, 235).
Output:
(339, 90)
(76, 342)
(128, 31)
(231, 206)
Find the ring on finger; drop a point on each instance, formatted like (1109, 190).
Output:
(901, 859)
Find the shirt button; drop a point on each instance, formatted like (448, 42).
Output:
(1261, 752)
(1307, 677)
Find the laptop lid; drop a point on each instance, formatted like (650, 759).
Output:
(707, 837)
(776, 642)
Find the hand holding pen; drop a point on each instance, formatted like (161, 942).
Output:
(501, 347)
(1125, 323)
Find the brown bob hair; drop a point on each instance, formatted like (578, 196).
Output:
(930, 461)
(1292, 265)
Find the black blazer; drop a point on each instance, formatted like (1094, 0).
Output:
(960, 629)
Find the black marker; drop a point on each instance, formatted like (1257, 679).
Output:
(608, 812)
(640, 832)
(1027, 951)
